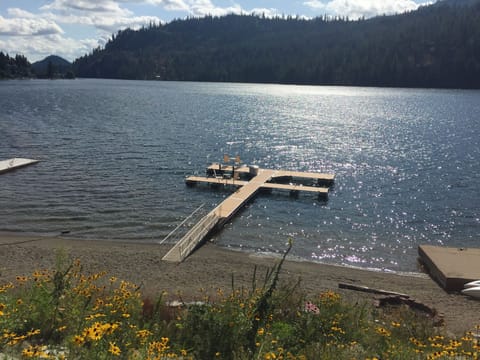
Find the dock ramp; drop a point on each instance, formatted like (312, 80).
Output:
(192, 238)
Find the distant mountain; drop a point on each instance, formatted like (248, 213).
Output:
(434, 46)
(52, 67)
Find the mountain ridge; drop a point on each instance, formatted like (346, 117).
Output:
(51, 66)
(434, 46)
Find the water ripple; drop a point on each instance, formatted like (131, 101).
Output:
(114, 155)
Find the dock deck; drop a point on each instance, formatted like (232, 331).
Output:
(15, 163)
(229, 207)
(215, 180)
(296, 188)
(276, 173)
(451, 267)
(218, 216)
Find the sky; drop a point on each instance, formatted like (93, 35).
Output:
(73, 28)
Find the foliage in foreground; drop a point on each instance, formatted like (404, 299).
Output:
(68, 314)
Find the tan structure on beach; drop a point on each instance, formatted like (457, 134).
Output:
(451, 267)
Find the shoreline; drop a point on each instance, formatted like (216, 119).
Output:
(211, 267)
(19, 238)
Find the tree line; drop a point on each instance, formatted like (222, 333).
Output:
(18, 67)
(434, 46)
(14, 67)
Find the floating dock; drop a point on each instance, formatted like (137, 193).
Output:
(15, 163)
(451, 267)
(249, 181)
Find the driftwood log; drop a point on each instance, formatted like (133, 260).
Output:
(370, 290)
(398, 299)
(437, 318)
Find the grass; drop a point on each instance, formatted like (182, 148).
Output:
(66, 313)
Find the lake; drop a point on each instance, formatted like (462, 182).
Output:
(114, 155)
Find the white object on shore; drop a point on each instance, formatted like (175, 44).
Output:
(472, 284)
(15, 163)
(473, 292)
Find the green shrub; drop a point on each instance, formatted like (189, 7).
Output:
(67, 313)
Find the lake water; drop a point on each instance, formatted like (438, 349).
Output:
(114, 155)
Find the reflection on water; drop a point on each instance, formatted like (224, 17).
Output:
(115, 153)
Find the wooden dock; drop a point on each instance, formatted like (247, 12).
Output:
(319, 178)
(214, 181)
(451, 267)
(15, 163)
(257, 179)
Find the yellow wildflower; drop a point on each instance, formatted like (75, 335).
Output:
(143, 333)
(114, 349)
(33, 332)
(28, 352)
(382, 331)
(79, 340)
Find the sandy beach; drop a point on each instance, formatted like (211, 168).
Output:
(211, 267)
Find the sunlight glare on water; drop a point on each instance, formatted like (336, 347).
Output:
(115, 153)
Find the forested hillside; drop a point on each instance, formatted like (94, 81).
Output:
(14, 67)
(53, 67)
(435, 46)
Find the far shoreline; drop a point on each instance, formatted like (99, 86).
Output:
(212, 267)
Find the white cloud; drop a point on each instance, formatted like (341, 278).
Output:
(206, 7)
(170, 4)
(110, 7)
(355, 9)
(25, 24)
(269, 13)
(20, 13)
(109, 24)
(104, 15)
(42, 46)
